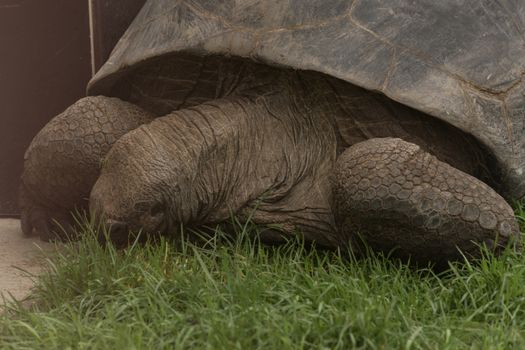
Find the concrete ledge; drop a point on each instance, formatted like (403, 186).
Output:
(18, 252)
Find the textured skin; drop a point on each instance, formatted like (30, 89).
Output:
(181, 81)
(270, 149)
(168, 84)
(458, 60)
(64, 159)
(398, 196)
(370, 115)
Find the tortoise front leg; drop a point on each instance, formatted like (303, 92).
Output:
(400, 198)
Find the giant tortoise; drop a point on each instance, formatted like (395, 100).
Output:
(398, 121)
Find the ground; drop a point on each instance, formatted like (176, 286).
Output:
(234, 293)
(17, 253)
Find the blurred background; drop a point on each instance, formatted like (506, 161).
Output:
(48, 52)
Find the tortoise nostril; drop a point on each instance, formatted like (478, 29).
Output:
(157, 209)
(116, 228)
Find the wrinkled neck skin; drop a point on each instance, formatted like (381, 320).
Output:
(265, 153)
(176, 82)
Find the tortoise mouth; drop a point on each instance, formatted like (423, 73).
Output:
(176, 81)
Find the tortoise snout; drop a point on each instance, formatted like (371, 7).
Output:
(116, 229)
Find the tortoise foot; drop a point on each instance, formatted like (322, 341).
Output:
(47, 223)
(402, 200)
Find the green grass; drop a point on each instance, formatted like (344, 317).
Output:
(242, 295)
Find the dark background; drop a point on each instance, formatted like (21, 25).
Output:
(111, 18)
(45, 64)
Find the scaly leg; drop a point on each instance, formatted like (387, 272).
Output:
(400, 198)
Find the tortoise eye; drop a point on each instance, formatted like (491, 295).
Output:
(157, 209)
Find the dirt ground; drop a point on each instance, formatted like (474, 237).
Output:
(18, 252)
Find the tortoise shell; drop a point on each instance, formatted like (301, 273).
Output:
(461, 61)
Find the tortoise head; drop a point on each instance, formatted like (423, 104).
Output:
(129, 194)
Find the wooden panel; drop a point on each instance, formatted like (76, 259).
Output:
(44, 67)
(45, 64)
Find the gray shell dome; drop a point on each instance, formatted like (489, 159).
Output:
(462, 61)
